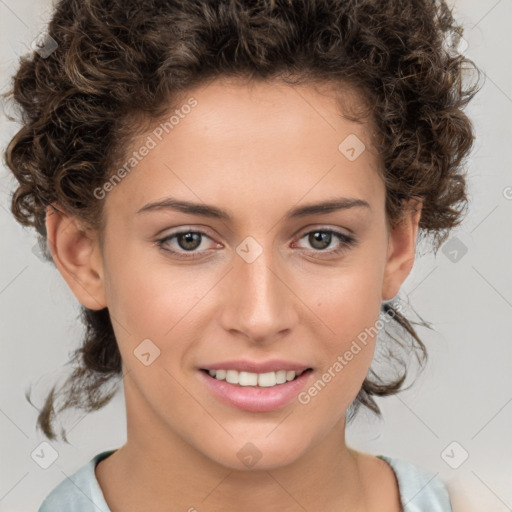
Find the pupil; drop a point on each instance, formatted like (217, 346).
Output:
(322, 237)
(191, 240)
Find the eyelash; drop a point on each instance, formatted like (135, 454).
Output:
(346, 242)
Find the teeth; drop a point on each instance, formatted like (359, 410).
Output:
(266, 380)
(246, 378)
(281, 376)
(232, 377)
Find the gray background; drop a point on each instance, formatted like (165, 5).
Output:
(463, 397)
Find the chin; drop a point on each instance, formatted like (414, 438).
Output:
(261, 454)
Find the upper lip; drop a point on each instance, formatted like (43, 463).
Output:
(257, 367)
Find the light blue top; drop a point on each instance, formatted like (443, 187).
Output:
(420, 491)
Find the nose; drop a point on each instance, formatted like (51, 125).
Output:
(259, 302)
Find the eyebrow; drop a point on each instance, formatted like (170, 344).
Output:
(205, 210)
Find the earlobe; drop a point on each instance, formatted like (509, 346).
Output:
(401, 251)
(76, 254)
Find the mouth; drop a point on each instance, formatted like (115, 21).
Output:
(255, 380)
(256, 392)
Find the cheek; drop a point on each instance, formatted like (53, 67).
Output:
(351, 310)
(149, 299)
(348, 302)
(349, 305)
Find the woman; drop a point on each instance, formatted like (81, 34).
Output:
(233, 191)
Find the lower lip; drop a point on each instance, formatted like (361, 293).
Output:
(256, 399)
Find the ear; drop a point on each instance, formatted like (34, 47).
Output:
(77, 255)
(401, 249)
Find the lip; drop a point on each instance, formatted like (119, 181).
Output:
(255, 398)
(244, 365)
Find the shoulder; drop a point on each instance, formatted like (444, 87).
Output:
(420, 490)
(80, 492)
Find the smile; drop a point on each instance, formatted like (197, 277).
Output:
(243, 378)
(269, 393)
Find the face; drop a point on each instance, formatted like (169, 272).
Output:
(268, 280)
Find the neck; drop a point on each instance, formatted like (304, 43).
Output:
(325, 479)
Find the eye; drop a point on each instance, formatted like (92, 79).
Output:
(186, 241)
(322, 239)
(185, 244)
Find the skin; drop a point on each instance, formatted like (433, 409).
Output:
(257, 151)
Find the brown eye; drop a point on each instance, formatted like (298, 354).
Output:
(189, 241)
(320, 239)
(184, 244)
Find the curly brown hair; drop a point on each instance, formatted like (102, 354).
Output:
(122, 61)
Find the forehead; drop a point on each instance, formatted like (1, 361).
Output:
(258, 139)
(237, 111)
